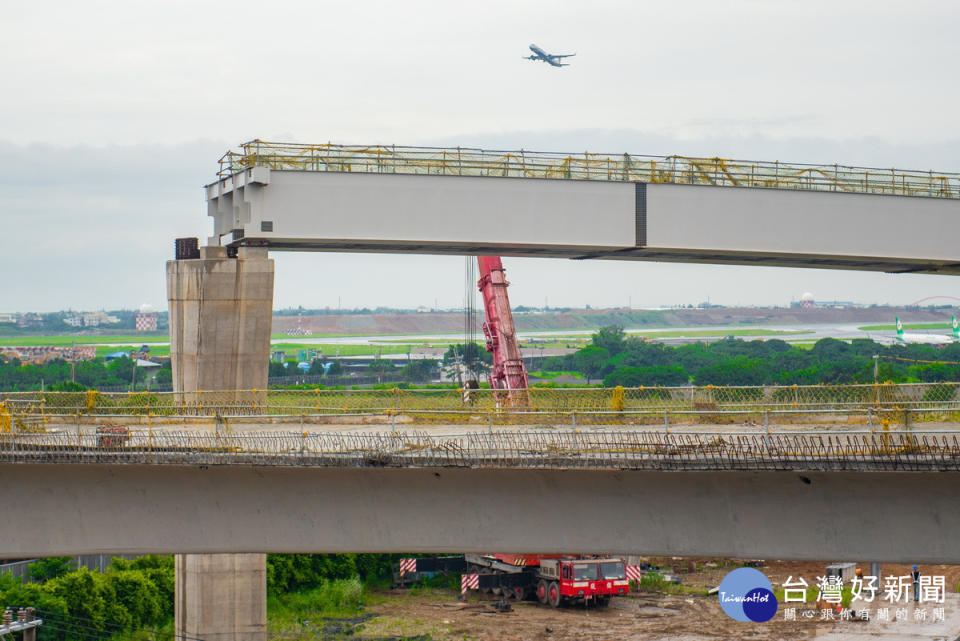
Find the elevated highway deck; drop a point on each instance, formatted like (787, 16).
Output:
(865, 495)
(585, 206)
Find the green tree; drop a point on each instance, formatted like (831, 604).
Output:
(164, 376)
(89, 595)
(291, 572)
(159, 569)
(739, 370)
(470, 358)
(590, 361)
(138, 595)
(611, 338)
(646, 377)
(380, 367)
(424, 369)
(50, 568)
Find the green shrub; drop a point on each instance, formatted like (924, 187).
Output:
(653, 582)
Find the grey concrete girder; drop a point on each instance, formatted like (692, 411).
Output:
(892, 516)
(431, 214)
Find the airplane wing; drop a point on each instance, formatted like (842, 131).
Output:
(563, 55)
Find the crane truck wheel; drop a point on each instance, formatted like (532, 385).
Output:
(542, 592)
(553, 594)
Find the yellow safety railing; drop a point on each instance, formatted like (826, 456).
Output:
(460, 161)
(613, 405)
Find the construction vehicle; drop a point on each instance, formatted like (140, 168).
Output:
(508, 377)
(551, 579)
(112, 436)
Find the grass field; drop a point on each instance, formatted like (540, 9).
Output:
(128, 343)
(155, 350)
(552, 375)
(337, 349)
(892, 327)
(110, 344)
(68, 340)
(716, 333)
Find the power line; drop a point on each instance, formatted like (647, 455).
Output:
(47, 614)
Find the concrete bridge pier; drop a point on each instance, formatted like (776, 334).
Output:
(221, 311)
(221, 597)
(220, 320)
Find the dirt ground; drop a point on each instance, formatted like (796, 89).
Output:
(684, 617)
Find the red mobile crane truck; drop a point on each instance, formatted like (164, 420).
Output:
(553, 579)
(508, 377)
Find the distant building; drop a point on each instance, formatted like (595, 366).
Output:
(40, 353)
(30, 320)
(90, 319)
(146, 322)
(146, 319)
(807, 302)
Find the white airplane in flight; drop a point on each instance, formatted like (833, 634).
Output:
(928, 339)
(550, 59)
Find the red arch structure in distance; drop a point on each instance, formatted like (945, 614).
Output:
(923, 300)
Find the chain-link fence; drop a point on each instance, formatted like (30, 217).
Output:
(634, 450)
(936, 401)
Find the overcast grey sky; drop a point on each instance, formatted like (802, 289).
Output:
(114, 114)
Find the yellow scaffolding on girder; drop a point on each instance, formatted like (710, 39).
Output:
(685, 170)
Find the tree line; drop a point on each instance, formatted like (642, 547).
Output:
(57, 374)
(633, 362)
(131, 595)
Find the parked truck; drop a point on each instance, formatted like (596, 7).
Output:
(551, 579)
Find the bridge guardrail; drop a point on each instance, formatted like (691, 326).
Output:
(566, 405)
(634, 450)
(462, 161)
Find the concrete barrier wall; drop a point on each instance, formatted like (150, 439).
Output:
(81, 509)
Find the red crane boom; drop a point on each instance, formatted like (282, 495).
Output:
(508, 374)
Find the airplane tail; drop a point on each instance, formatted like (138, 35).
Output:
(956, 327)
(899, 327)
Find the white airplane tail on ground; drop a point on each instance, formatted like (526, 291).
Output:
(928, 339)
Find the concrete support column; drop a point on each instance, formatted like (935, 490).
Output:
(221, 597)
(221, 310)
(220, 319)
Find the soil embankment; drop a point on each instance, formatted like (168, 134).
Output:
(452, 322)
